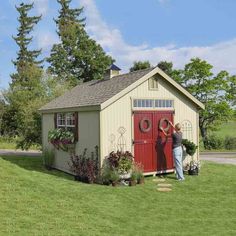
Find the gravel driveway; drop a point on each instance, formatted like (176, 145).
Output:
(219, 157)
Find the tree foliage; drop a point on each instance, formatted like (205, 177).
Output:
(77, 57)
(212, 90)
(140, 65)
(23, 39)
(28, 90)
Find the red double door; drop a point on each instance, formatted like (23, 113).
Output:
(151, 147)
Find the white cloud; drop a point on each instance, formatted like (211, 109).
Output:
(41, 6)
(220, 55)
(163, 1)
(46, 39)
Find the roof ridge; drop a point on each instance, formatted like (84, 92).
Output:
(136, 71)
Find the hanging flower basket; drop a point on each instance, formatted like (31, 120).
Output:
(193, 166)
(61, 139)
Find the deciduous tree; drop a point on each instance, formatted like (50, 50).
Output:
(212, 90)
(140, 65)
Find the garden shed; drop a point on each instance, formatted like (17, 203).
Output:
(124, 112)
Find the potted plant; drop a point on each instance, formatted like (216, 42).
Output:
(133, 178)
(122, 162)
(109, 175)
(139, 172)
(114, 178)
(193, 166)
(61, 139)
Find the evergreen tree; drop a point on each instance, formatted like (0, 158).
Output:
(24, 55)
(77, 57)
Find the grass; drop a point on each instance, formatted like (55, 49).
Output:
(10, 143)
(39, 202)
(227, 129)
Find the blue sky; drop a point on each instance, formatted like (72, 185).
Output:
(129, 30)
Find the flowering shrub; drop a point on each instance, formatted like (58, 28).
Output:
(85, 168)
(60, 138)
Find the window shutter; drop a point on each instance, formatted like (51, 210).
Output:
(76, 127)
(55, 120)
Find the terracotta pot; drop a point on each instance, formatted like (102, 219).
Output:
(132, 182)
(140, 181)
(114, 184)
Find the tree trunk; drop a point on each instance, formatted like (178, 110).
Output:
(204, 136)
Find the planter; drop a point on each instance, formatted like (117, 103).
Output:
(193, 171)
(140, 181)
(114, 184)
(77, 178)
(132, 182)
(125, 176)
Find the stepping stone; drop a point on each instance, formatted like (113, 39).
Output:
(164, 189)
(159, 180)
(165, 185)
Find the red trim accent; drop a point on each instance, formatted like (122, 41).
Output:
(76, 127)
(55, 120)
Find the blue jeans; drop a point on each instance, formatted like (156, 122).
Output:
(178, 159)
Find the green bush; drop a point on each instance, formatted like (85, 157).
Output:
(214, 142)
(230, 143)
(190, 147)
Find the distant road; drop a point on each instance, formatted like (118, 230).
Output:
(219, 157)
(11, 152)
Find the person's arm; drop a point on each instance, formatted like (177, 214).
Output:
(171, 124)
(164, 132)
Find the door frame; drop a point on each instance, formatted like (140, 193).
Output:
(132, 135)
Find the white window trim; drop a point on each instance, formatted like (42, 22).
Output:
(66, 116)
(153, 107)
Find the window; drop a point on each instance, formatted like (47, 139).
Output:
(67, 121)
(153, 83)
(153, 103)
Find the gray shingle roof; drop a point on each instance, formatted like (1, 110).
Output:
(95, 92)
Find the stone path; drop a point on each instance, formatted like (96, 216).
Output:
(162, 186)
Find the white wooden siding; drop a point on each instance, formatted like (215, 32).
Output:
(119, 114)
(88, 136)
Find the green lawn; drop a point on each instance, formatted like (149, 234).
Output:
(34, 201)
(227, 129)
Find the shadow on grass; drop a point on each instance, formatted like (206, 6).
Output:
(35, 164)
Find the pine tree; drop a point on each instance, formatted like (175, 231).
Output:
(25, 57)
(77, 58)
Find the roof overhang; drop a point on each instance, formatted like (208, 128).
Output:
(71, 109)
